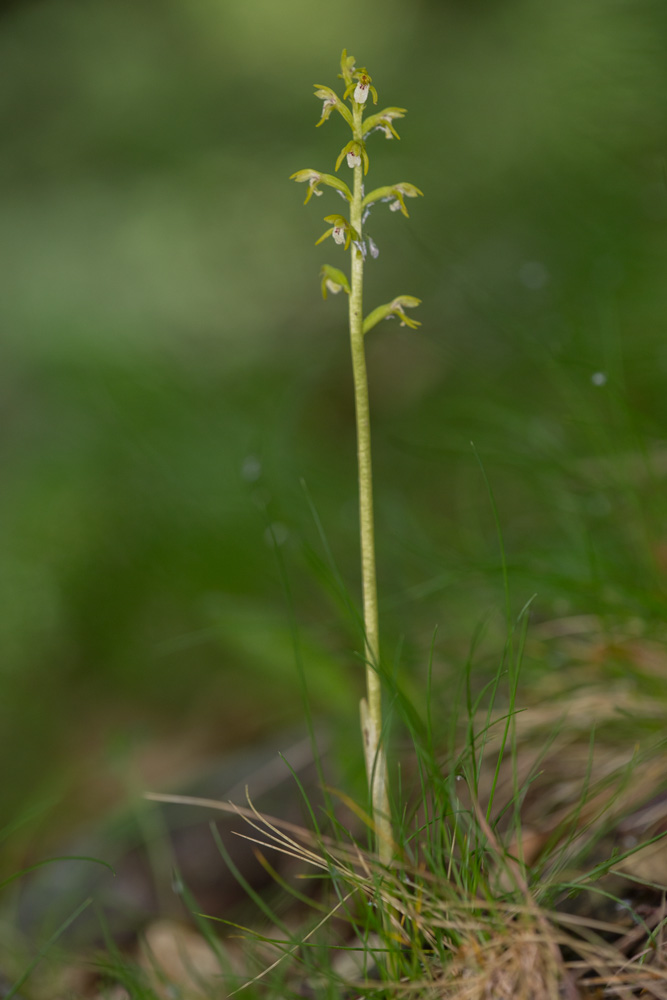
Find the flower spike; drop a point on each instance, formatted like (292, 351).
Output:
(348, 232)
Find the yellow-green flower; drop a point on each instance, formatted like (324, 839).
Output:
(330, 101)
(395, 194)
(359, 86)
(383, 122)
(355, 152)
(340, 229)
(333, 281)
(315, 178)
(396, 308)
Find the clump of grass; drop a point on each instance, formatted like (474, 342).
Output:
(11, 945)
(481, 897)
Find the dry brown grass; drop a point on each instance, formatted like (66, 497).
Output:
(586, 805)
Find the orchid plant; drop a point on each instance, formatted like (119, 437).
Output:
(348, 232)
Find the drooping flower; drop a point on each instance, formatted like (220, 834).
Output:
(315, 178)
(383, 122)
(330, 101)
(356, 154)
(340, 229)
(395, 194)
(361, 89)
(396, 308)
(333, 281)
(359, 85)
(402, 191)
(402, 302)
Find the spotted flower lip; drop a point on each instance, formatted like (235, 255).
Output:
(315, 178)
(361, 92)
(359, 85)
(340, 229)
(356, 154)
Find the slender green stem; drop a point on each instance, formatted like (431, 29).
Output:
(371, 705)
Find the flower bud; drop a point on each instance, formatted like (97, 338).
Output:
(395, 194)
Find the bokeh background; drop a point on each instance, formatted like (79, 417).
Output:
(177, 437)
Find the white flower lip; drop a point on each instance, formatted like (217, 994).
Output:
(361, 93)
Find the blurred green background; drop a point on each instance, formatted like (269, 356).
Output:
(170, 376)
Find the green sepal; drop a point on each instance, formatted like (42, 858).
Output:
(324, 236)
(315, 178)
(394, 308)
(333, 280)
